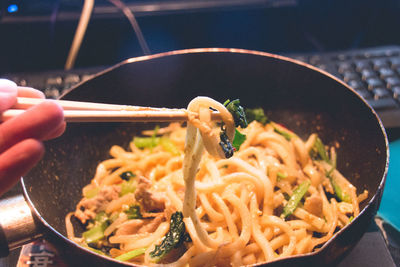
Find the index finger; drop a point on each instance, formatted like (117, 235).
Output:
(29, 92)
(37, 123)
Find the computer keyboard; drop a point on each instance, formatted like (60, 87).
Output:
(374, 73)
(53, 83)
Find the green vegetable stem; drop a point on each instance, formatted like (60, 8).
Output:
(339, 192)
(295, 199)
(131, 254)
(96, 233)
(134, 212)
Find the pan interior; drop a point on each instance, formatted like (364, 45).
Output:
(304, 100)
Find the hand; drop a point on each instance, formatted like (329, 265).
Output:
(21, 137)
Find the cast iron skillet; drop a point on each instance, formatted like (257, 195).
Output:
(301, 97)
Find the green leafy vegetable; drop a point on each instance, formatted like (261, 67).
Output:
(295, 199)
(131, 254)
(173, 239)
(114, 217)
(333, 160)
(287, 135)
(146, 142)
(256, 114)
(237, 111)
(339, 192)
(91, 193)
(169, 146)
(127, 175)
(101, 217)
(128, 187)
(153, 141)
(238, 139)
(319, 147)
(134, 212)
(239, 117)
(226, 144)
(281, 176)
(96, 233)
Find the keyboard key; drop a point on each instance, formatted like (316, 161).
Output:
(322, 67)
(54, 81)
(381, 93)
(386, 72)
(364, 93)
(362, 65)
(345, 66)
(315, 60)
(347, 76)
(356, 84)
(367, 74)
(384, 103)
(71, 79)
(380, 63)
(22, 82)
(395, 62)
(52, 93)
(340, 57)
(392, 82)
(374, 83)
(396, 92)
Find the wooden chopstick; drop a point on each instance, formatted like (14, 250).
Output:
(112, 116)
(75, 111)
(26, 102)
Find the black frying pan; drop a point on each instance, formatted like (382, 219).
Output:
(301, 97)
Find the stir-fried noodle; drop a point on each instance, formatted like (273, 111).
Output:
(168, 201)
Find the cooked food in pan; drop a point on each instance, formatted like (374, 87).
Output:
(258, 193)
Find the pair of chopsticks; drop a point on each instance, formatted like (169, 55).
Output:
(75, 111)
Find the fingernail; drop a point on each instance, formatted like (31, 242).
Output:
(8, 86)
(7, 100)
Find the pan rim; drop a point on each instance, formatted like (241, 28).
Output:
(379, 190)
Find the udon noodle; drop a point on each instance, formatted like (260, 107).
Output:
(277, 196)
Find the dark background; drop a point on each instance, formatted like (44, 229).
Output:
(39, 35)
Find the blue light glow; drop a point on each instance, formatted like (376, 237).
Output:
(12, 8)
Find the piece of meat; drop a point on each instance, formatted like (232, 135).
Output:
(87, 208)
(130, 227)
(139, 226)
(150, 201)
(151, 225)
(313, 204)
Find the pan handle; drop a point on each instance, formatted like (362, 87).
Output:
(17, 224)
